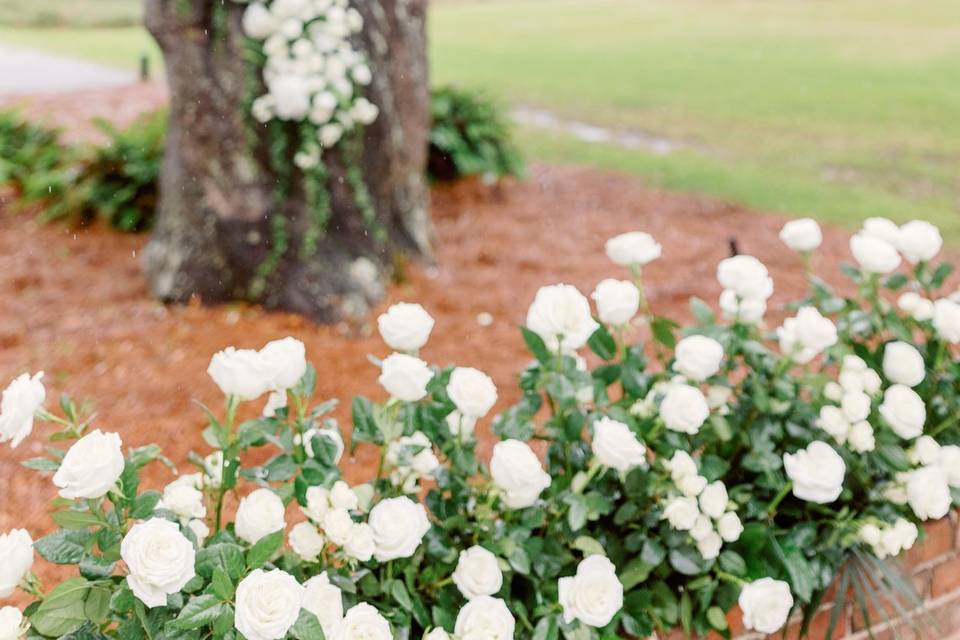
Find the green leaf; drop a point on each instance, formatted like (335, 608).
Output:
(198, 612)
(222, 584)
(226, 556)
(801, 576)
(634, 573)
(65, 546)
(717, 618)
(400, 594)
(41, 464)
(732, 562)
(687, 560)
(536, 345)
(602, 343)
(365, 427)
(702, 311)
(546, 629)
(97, 604)
(662, 329)
(144, 504)
(62, 610)
(75, 519)
(307, 627)
(589, 546)
(266, 548)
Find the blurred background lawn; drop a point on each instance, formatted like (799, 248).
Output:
(837, 109)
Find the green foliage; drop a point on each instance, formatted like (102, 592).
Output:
(469, 135)
(26, 148)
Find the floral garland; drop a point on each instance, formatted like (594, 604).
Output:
(660, 493)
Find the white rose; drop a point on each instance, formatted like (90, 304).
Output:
(258, 22)
(268, 603)
(516, 470)
(330, 134)
(200, 530)
(698, 357)
(903, 364)
(437, 634)
(21, 401)
(16, 549)
(729, 526)
(870, 381)
(405, 377)
(291, 96)
(907, 532)
(702, 528)
(560, 315)
(949, 461)
(682, 513)
(816, 472)
(472, 391)
(184, 499)
(834, 391)
(946, 319)
(477, 573)
(925, 451)
(916, 306)
(594, 595)
(766, 603)
(399, 525)
(713, 499)
(709, 546)
(681, 465)
(873, 254)
(834, 422)
(746, 276)
(414, 452)
(323, 600)
(239, 372)
(617, 301)
(405, 326)
(802, 235)
(461, 425)
(259, 514)
(855, 406)
(364, 111)
(361, 544)
(275, 401)
(806, 335)
(306, 541)
(861, 438)
(343, 497)
(362, 621)
(616, 446)
(870, 534)
(882, 228)
(484, 618)
(362, 74)
(919, 241)
(338, 525)
(160, 560)
(633, 248)
(318, 503)
(11, 621)
(692, 486)
(746, 310)
(904, 411)
(928, 493)
(284, 362)
(91, 467)
(684, 409)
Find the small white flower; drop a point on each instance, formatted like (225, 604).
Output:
(483, 618)
(729, 526)
(692, 486)
(398, 525)
(306, 541)
(364, 622)
(617, 301)
(323, 600)
(873, 254)
(200, 530)
(882, 228)
(709, 546)
(802, 235)
(239, 372)
(702, 528)
(594, 595)
(258, 22)
(259, 514)
(330, 134)
(477, 573)
(364, 111)
(21, 401)
(919, 241)
(184, 499)
(268, 603)
(950, 462)
(616, 446)
(472, 391)
(516, 470)
(338, 525)
(284, 363)
(928, 493)
(806, 335)
(633, 249)
(160, 560)
(461, 425)
(817, 473)
(855, 406)
(91, 467)
(318, 503)
(16, 549)
(698, 357)
(682, 513)
(405, 377)
(713, 499)
(919, 308)
(746, 276)
(925, 451)
(766, 604)
(904, 411)
(946, 319)
(684, 409)
(903, 364)
(834, 422)
(861, 438)
(745, 310)
(437, 634)
(681, 465)
(405, 326)
(361, 544)
(560, 315)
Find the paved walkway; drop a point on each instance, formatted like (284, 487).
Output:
(23, 71)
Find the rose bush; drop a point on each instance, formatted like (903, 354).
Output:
(678, 472)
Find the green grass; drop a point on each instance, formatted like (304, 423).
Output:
(77, 13)
(836, 109)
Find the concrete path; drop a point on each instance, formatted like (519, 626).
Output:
(24, 71)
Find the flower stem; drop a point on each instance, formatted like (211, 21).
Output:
(779, 498)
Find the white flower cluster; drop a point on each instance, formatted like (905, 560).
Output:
(926, 488)
(806, 335)
(703, 509)
(247, 374)
(747, 286)
(847, 421)
(817, 472)
(312, 72)
(889, 540)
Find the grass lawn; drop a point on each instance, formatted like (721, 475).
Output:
(836, 109)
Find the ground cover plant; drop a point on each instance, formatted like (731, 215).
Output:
(689, 469)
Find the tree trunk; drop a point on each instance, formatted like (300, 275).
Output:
(222, 233)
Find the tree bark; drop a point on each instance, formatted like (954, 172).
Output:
(216, 234)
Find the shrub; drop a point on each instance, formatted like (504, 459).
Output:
(678, 477)
(26, 149)
(469, 136)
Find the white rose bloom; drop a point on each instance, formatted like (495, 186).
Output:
(275, 401)
(682, 513)
(437, 634)
(882, 228)
(461, 425)
(184, 499)
(714, 500)
(746, 310)
(318, 503)
(399, 525)
(806, 335)
(729, 526)
(873, 254)
(361, 544)
(306, 541)
(903, 364)
(160, 560)
(681, 465)
(258, 22)
(919, 241)
(684, 409)
(617, 301)
(11, 621)
(338, 525)
(343, 497)
(633, 248)
(616, 446)
(16, 549)
(766, 603)
(516, 469)
(870, 381)
(692, 486)
(472, 391)
(284, 362)
(594, 595)
(925, 451)
(484, 618)
(928, 493)
(362, 622)
(870, 534)
(709, 546)
(834, 422)
(560, 314)
(802, 235)
(259, 514)
(833, 391)
(702, 528)
(323, 600)
(746, 276)
(861, 438)
(921, 309)
(477, 573)
(946, 319)
(268, 603)
(405, 326)
(904, 411)
(239, 372)
(950, 462)
(698, 357)
(330, 134)
(21, 401)
(362, 74)
(91, 467)
(405, 377)
(291, 95)
(855, 406)
(816, 472)
(364, 111)
(200, 530)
